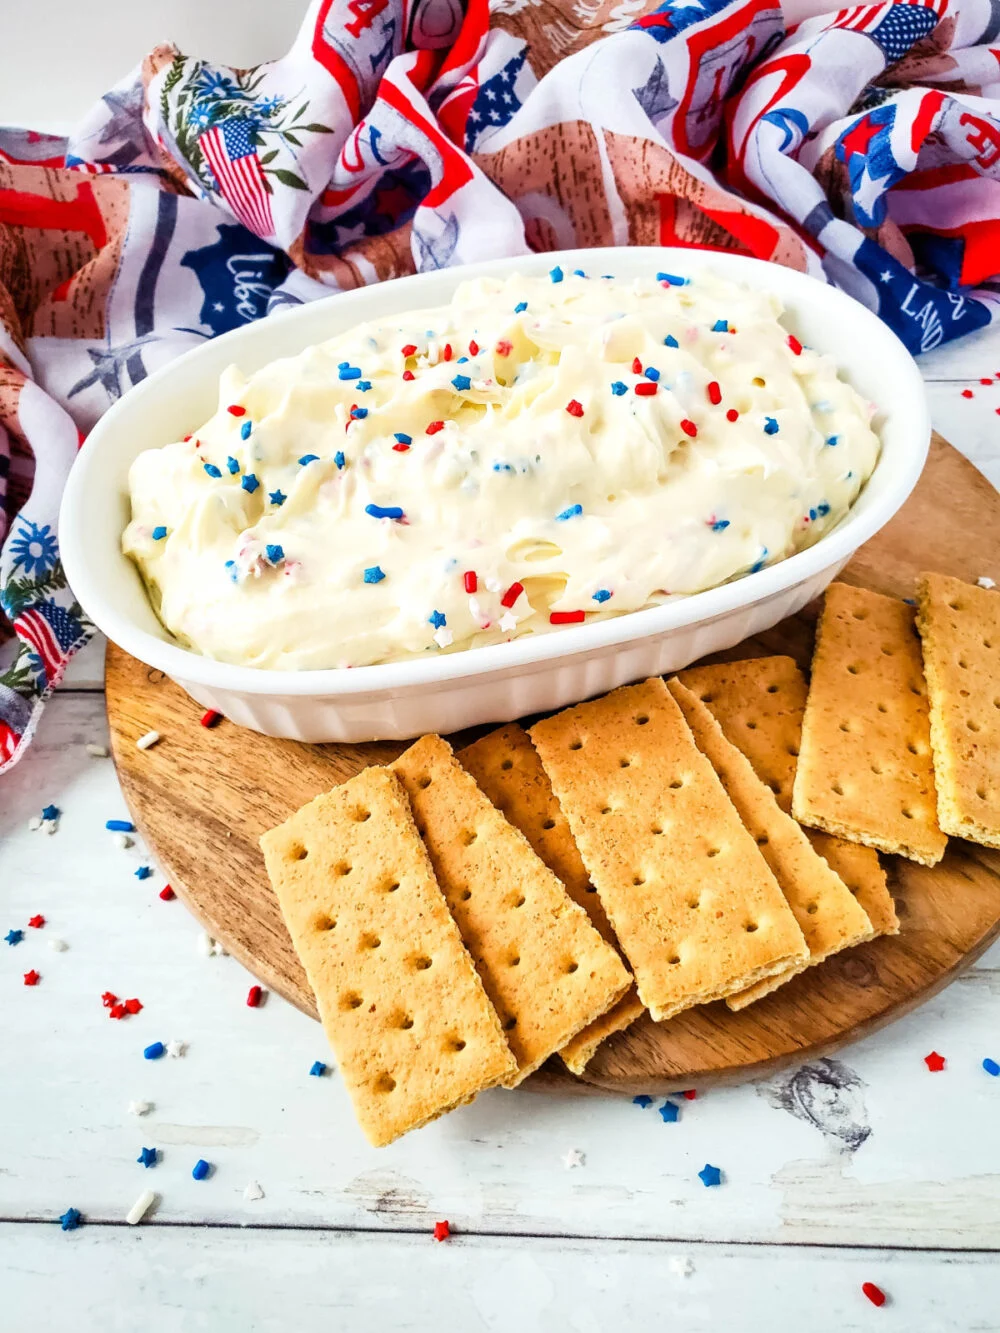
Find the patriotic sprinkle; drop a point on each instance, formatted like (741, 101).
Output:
(669, 1112)
(473, 349)
(670, 341)
(159, 533)
(758, 564)
(991, 1067)
(651, 373)
(349, 372)
(636, 366)
(833, 440)
(732, 415)
(574, 408)
(274, 553)
(446, 352)
(254, 996)
(245, 430)
(154, 1051)
(471, 581)
(36, 922)
(504, 347)
(147, 1157)
(374, 574)
(602, 595)
(642, 1100)
(211, 469)
(720, 326)
(770, 426)
(671, 279)
(306, 459)
(31, 978)
(567, 617)
(249, 483)
(71, 1219)
(689, 428)
(796, 346)
(358, 413)
(618, 388)
(363, 386)
(461, 383)
(434, 427)
(645, 389)
(147, 741)
(210, 718)
(402, 438)
(318, 1069)
(277, 497)
(875, 1294)
(166, 893)
(710, 1175)
(520, 308)
(233, 466)
(140, 1208)
(14, 937)
(441, 1229)
(235, 410)
(573, 511)
(967, 393)
(556, 274)
(718, 524)
(408, 349)
(143, 872)
(51, 813)
(132, 1006)
(512, 594)
(201, 1169)
(119, 826)
(714, 392)
(437, 619)
(384, 511)
(408, 375)
(339, 459)
(934, 1062)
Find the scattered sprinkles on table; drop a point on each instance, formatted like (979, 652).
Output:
(572, 1158)
(318, 1069)
(71, 1219)
(154, 1051)
(254, 997)
(148, 1157)
(201, 1169)
(441, 1230)
(14, 936)
(710, 1175)
(934, 1062)
(642, 1100)
(32, 978)
(991, 1067)
(875, 1294)
(669, 1112)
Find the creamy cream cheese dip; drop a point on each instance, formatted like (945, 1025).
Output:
(540, 452)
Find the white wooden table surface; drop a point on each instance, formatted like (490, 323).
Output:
(870, 1169)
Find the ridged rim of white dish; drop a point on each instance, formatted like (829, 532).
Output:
(910, 418)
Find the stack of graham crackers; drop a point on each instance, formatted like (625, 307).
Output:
(463, 917)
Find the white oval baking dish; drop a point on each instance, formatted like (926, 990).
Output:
(508, 680)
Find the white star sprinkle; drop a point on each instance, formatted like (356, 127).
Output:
(218, 951)
(985, 582)
(252, 1192)
(508, 622)
(175, 1048)
(140, 1108)
(443, 637)
(34, 823)
(59, 946)
(681, 1265)
(573, 1157)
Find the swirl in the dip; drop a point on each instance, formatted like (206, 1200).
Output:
(540, 452)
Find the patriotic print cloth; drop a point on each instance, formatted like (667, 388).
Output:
(414, 134)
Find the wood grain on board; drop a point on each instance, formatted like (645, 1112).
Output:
(201, 799)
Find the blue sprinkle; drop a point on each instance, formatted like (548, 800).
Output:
(574, 511)
(812, 515)
(520, 308)
(344, 365)
(119, 826)
(642, 1100)
(669, 1112)
(720, 525)
(579, 273)
(51, 812)
(155, 1051)
(275, 553)
(349, 372)
(672, 278)
(849, 476)
(770, 426)
(991, 1067)
(602, 595)
(618, 388)
(438, 619)
(384, 511)
(201, 1169)
(670, 341)
(359, 413)
(651, 373)
(760, 563)
(462, 361)
(339, 459)
(245, 430)
(556, 274)
(234, 572)
(721, 326)
(461, 383)
(143, 872)
(832, 440)
(823, 509)
(159, 533)
(374, 574)
(147, 1157)
(710, 1175)
(14, 937)
(318, 1069)
(910, 601)
(71, 1219)
(249, 483)
(233, 466)
(308, 458)
(502, 467)
(212, 470)
(277, 497)
(363, 386)
(401, 437)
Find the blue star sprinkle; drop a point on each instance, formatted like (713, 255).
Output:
(339, 459)
(318, 1069)
(233, 466)
(201, 1169)
(148, 1157)
(574, 511)
(520, 308)
(275, 553)
(374, 574)
(710, 1175)
(308, 458)
(349, 372)
(250, 483)
(438, 619)
(556, 274)
(602, 595)
(618, 388)
(770, 426)
(384, 511)
(277, 497)
(721, 326)
(71, 1219)
(651, 373)
(669, 1112)
(720, 525)
(363, 386)
(143, 872)
(119, 826)
(833, 440)
(991, 1067)
(245, 430)
(14, 937)
(154, 1051)
(212, 470)
(461, 383)
(670, 341)
(359, 413)
(401, 437)
(672, 278)
(159, 533)
(51, 812)
(642, 1100)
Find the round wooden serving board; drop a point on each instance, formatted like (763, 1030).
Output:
(201, 799)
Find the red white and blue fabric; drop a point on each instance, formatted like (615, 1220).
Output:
(862, 146)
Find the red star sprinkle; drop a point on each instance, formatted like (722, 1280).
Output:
(691, 1094)
(133, 1006)
(504, 347)
(574, 408)
(966, 393)
(732, 415)
(108, 999)
(794, 344)
(235, 410)
(934, 1062)
(441, 1230)
(408, 375)
(689, 428)
(409, 349)
(116, 1011)
(36, 922)
(166, 893)
(875, 1294)
(32, 978)
(253, 997)
(714, 393)
(434, 427)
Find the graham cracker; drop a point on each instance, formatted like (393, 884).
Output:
(507, 768)
(545, 967)
(960, 631)
(400, 1000)
(759, 704)
(828, 915)
(696, 909)
(865, 770)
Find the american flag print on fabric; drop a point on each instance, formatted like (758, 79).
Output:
(232, 155)
(862, 146)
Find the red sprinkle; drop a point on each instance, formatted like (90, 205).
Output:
(447, 352)
(645, 389)
(934, 1062)
(434, 427)
(986, 381)
(400, 447)
(116, 1011)
(32, 978)
(875, 1294)
(967, 393)
(133, 1006)
(408, 375)
(166, 893)
(253, 997)
(691, 1094)
(574, 408)
(470, 580)
(504, 347)
(732, 415)
(567, 617)
(794, 344)
(409, 349)
(36, 922)
(714, 392)
(689, 428)
(441, 1230)
(186, 438)
(108, 999)
(473, 348)
(636, 367)
(512, 594)
(235, 410)
(211, 718)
